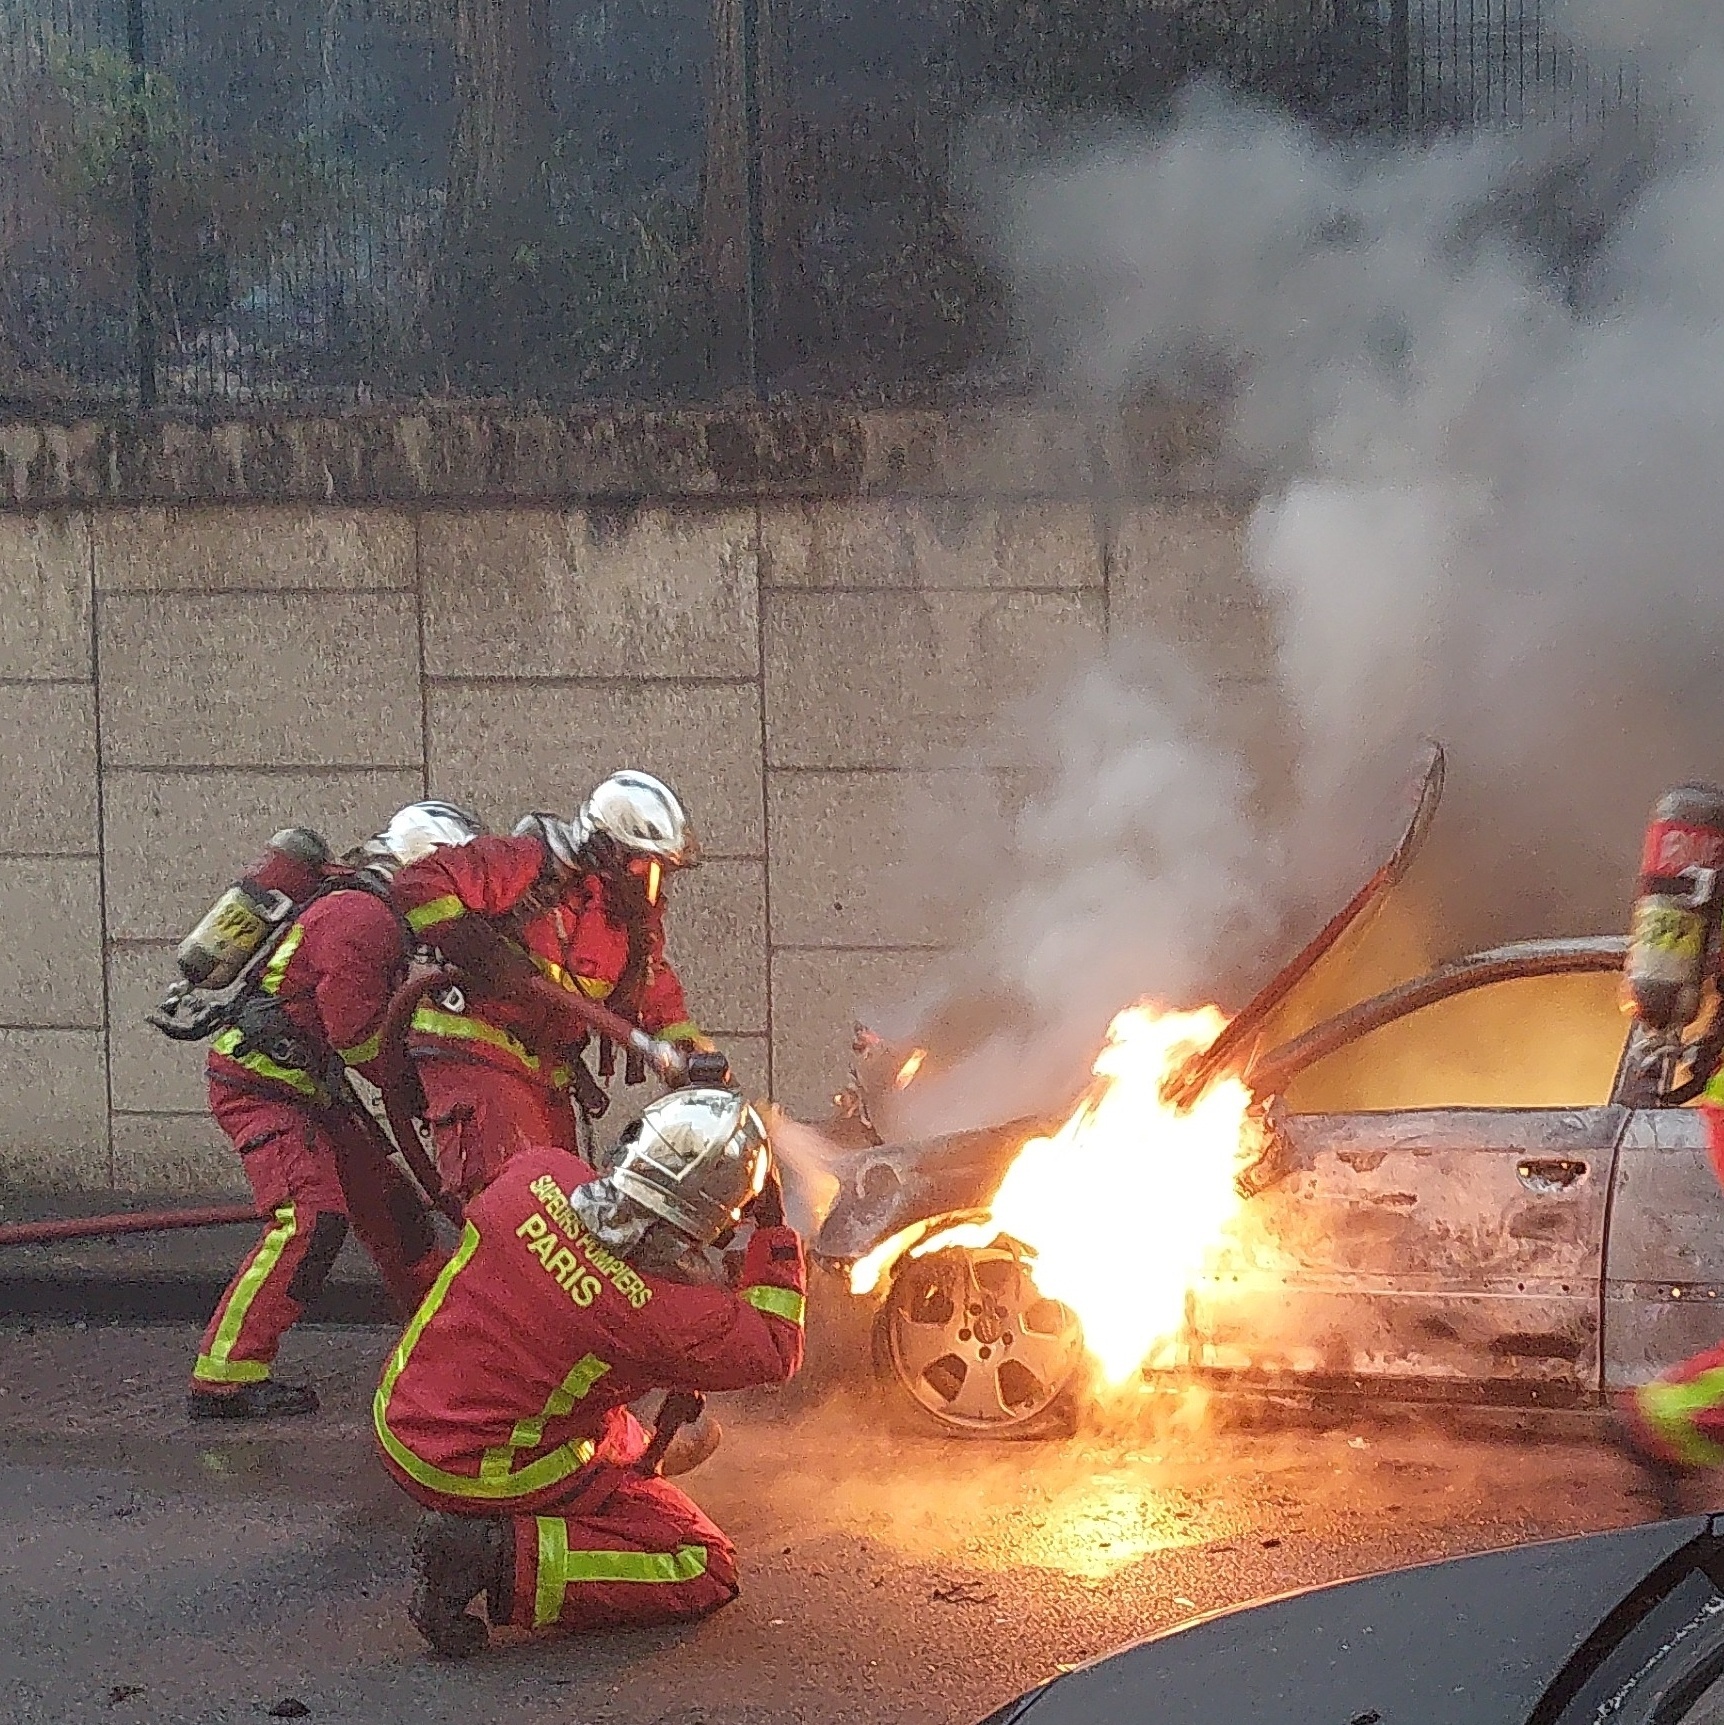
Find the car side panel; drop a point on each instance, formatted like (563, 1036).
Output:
(1462, 1247)
(1664, 1261)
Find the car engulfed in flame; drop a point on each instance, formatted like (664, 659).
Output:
(1507, 1254)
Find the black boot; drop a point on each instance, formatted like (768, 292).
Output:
(262, 1401)
(456, 1557)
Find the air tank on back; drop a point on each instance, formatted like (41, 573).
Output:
(233, 928)
(1673, 936)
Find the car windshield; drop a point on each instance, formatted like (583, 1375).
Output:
(1541, 1042)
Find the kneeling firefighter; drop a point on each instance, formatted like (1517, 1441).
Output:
(278, 1089)
(579, 902)
(504, 1409)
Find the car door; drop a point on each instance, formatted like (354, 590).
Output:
(1456, 1249)
(1664, 1255)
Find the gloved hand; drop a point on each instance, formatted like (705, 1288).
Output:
(766, 1208)
(707, 1066)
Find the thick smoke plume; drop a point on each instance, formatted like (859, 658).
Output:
(1479, 387)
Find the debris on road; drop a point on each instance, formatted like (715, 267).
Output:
(963, 1593)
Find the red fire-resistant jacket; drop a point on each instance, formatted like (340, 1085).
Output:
(518, 1368)
(581, 942)
(333, 975)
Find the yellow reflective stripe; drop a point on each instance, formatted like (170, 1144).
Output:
(1670, 1410)
(459, 1025)
(275, 972)
(529, 1434)
(210, 1370)
(229, 1042)
(428, 1308)
(1714, 1091)
(549, 1470)
(361, 1052)
(553, 1549)
(783, 1303)
(498, 1463)
(685, 1030)
(218, 1366)
(431, 1022)
(439, 910)
(593, 987)
(558, 1566)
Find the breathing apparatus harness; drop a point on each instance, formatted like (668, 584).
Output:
(189, 1014)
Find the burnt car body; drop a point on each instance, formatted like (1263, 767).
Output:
(1625, 1626)
(1544, 1255)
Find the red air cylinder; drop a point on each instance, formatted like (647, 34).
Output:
(233, 928)
(1673, 937)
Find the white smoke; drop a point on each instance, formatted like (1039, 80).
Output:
(1480, 387)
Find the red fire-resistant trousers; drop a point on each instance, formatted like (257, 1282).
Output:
(480, 1116)
(621, 1550)
(313, 1171)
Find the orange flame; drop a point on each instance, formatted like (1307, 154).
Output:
(910, 1068)
(1122, 1206)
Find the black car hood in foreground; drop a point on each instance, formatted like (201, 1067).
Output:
(1471, 1641)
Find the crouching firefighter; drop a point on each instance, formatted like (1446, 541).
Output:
(504, 1409)
(278, 1089)
(578, 902)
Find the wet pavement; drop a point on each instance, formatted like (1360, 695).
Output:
(152, 1570)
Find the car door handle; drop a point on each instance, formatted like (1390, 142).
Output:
(1550, 1173)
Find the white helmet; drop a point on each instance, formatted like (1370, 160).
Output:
(694, 1159)
(416, 831)
(630, 814)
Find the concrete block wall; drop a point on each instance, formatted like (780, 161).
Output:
(179, 679)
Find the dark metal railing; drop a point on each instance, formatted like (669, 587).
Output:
(217, 203)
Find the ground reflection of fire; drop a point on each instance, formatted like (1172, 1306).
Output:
(1123, 1205)
(1107, 1524)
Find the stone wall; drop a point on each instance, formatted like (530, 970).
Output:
(197, 647)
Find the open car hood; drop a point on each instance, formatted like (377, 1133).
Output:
(1233, 1049)
(885, 1189)
(881, 1067)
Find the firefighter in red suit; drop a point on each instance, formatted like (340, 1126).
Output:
(1673, 1426)
(583, 900)
(277, 1089)
(504, 1409)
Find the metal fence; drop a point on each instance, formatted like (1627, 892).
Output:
(208, 203)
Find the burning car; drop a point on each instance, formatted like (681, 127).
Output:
(1542, 1254)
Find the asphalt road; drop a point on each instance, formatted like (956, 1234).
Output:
(153, 1571)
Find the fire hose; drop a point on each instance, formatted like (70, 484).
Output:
(392, 1043)
(670, 1062)
(129, 1222)
(392, 1034)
